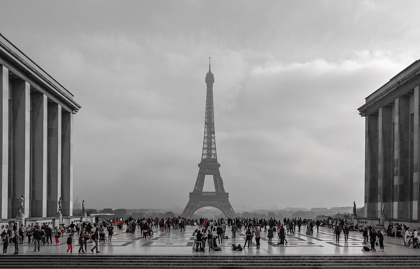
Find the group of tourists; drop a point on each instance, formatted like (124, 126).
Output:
(34, 233)
(208, 232)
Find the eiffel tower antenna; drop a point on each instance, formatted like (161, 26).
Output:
(209, 165)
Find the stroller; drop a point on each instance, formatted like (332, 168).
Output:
(102, 237)
(309, 229)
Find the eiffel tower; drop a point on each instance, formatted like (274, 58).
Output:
(209, 165)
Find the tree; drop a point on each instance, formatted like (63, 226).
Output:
(77, 212)
(107, 210)
(120, 213)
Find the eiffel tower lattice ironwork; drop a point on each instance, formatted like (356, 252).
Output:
(209, 166)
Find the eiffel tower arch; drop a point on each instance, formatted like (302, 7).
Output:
(209, 166)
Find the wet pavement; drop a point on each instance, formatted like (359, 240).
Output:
(176, 242)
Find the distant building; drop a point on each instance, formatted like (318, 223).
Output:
(77, 205)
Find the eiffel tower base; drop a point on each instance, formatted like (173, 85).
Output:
(208, 199)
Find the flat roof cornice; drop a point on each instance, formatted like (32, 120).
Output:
(397, 86)
(29, 68)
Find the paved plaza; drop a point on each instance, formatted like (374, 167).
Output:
(176, 242)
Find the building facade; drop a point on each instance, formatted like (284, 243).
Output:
(36, 126)
(392, 148)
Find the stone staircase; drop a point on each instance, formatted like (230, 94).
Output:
(208, 261)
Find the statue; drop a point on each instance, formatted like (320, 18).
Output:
(21, 205)
(383, 208)
(354, 208)
(83, 207)
(60, 205)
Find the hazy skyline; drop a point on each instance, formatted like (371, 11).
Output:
(289, 77)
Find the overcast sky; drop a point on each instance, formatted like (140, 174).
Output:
(289, 77)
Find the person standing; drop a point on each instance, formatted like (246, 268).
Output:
(5, 238)
(257, 236)
(48, 234)
(234, 228)
(372, 239)
(270, 234)
(346, 231)
(317, 223)
(37, 238)
(248, 237)
(223, 230)
(16, 240)
(381, 240)
(199, 238)
(21, 233)
(110, 232)
(210, 239)
(29, 233)
(337, 233)
(219, 234)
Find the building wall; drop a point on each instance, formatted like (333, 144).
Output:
(392, 159)
(36, 127)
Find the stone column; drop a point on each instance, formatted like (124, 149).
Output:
(39, 133)
(385, 159)
(401, 159)
(371, 166)
(4, 144)
(21, 152)
(54, 158)
(67, 165)
(416, 153)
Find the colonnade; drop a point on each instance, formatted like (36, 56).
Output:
(392, 159)
(35, 149)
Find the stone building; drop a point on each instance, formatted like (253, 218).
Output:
(392, 149)
(36, 138)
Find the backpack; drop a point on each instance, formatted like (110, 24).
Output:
(93, 236)
(366, 248)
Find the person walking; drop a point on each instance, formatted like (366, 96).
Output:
(70, 243)
(95, 238)
(282, 236)
(81, 241)
(57, 235)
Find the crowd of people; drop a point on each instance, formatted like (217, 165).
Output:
(208, 232)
